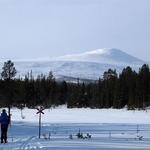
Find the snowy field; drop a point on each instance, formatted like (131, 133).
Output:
(109, 129)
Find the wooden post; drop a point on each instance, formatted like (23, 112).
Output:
(40, 111)
(39, 125)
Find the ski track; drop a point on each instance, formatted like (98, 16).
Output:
(104, 137)
(26, 144)
(122, 130)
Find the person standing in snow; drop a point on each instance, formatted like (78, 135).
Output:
(4, 120)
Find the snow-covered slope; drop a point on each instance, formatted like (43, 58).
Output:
(83, 70)
(107, 56)
(88, 65)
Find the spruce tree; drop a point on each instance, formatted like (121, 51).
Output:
(8, 73)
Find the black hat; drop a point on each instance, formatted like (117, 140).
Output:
(4, 110)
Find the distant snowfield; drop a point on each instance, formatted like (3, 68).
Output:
(83, 115)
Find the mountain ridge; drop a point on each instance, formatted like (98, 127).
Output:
(88, 65)
(106, 55)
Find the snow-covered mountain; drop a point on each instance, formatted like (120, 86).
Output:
(88, 65)
(105, 56)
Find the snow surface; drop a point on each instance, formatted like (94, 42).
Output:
(84, 115)
(110, 129)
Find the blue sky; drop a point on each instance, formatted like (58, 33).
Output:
(41, 28)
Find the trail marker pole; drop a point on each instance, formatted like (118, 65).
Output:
(40, 111)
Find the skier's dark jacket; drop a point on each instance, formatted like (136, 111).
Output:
(4, 119)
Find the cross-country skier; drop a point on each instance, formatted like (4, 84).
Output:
(4, 120)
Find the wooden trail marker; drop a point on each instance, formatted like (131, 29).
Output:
(40, 111)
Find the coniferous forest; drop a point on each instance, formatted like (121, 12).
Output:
(128, 89)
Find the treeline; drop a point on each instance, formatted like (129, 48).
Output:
(129, 88)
